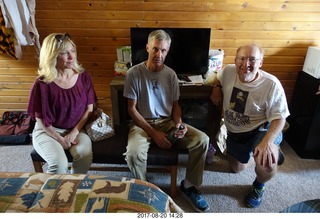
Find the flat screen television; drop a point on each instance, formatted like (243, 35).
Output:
(189, 50)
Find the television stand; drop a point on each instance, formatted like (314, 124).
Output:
(190, 96)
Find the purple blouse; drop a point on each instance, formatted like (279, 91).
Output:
(61, 108)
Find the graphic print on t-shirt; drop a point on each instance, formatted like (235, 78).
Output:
(155, 85)
(238, 100)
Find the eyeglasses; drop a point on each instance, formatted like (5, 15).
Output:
(61, 37)
(251, 60)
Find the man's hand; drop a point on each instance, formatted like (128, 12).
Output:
(160, 138)
(181, 132)
(264, 156)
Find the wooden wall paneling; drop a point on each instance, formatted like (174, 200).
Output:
(284, 29)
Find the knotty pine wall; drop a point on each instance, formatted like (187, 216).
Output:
(284, 29)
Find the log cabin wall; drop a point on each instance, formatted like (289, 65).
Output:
(284, 29)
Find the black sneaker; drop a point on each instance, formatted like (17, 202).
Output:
(280, 157)
(254, 198)
(195, 198)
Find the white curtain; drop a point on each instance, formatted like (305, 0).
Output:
(19, 15)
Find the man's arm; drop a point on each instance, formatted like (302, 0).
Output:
(276, 126)
(137, 118)
(176, 117)
(176, 112)
(216, 94)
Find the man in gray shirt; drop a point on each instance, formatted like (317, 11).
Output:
(152, 91)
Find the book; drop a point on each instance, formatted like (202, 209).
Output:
(191, 80)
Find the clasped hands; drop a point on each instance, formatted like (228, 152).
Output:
(69, 140)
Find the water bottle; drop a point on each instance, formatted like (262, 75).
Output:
(171, 135)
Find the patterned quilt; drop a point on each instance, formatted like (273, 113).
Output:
(41, 192)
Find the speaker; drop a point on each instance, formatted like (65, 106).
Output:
(303, 134)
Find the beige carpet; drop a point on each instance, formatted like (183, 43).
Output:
(297, 180)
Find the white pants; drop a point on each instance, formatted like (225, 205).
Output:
(53, 153)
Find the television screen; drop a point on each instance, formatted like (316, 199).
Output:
(189, 50)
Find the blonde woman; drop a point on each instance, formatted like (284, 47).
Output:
(61, 101)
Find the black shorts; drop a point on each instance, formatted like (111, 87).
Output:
(241, 147)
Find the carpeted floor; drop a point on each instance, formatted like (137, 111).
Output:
(297, 181)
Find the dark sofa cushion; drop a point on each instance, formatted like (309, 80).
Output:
(110, 150)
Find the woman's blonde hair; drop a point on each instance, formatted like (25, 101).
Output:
(52, 45)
